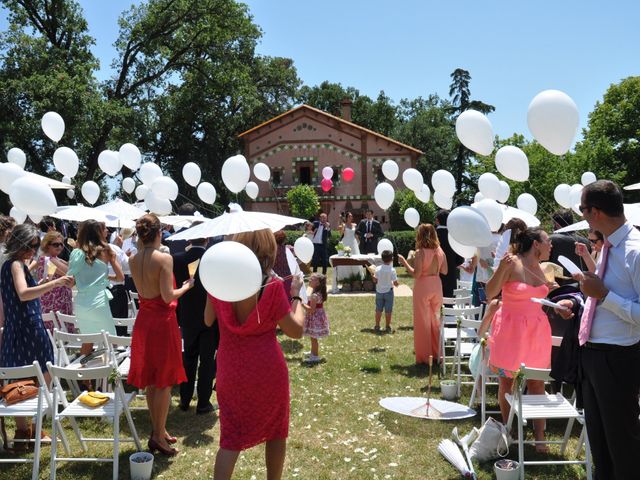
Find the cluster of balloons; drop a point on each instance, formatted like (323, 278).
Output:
(568, 196)
(444, 188)
(327, 175)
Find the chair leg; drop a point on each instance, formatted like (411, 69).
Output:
(54, 442)
(580, 441)
(116, 437)
(520, 443)
(65, 440)
(132, 426)
(567, 434)
(35, 471)
(474, 392)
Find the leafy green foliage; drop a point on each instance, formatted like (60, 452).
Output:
(303, 201)
(405, 198)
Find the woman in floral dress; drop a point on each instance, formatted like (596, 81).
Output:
(59, 299)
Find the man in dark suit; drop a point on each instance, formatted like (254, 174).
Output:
(175, 246)
(369, 231)
(565, 243)
(450, 280)
(200, 341)
(321, 233)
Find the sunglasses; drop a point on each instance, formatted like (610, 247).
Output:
(593, 241)
(34, 245)
(56, 244)
(582, 208)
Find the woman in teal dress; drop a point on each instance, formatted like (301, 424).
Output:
(88, 264)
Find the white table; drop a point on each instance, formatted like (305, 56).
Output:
(351, 261)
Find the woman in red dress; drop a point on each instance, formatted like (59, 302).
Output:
(252, 380)
(156, 358)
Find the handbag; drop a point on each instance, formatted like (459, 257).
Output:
(93, 399)
(492, 442)
(18, 391)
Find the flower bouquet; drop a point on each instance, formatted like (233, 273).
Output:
(347, 251)
(340, 248)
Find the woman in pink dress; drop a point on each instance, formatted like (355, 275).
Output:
(252, 380)
(521, 332)
(59, 299)
(429, 263)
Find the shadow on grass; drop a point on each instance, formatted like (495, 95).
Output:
(405, 328)
(290, 346)
(372, 331)
(377, 350)
(415, 370)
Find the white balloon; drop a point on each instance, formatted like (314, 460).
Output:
(130, 156)
(262, 171)
(587, 178)
(412, 217)
(475, 132)
(66, 161)
(17, 156)
(230, 271)
(235, 173)
(384, 195)
(469, 227)
(303, 248)
(492, 211)
(52, 125)
(32, 196)
(528, 203)
(505, 191)
(575, 197)
(562, 195)
(207, 193)
(18, 215)
(412, 179)
(384, 244)
(442, 181)
(489, 186)
(71, 193)
(191, 173)
(35, 218)
(442, 201)
(157, 205)
(149, 172)
(66, 180)
(141, 192)
(327, 172)
(9, 173)
(463, 250)
(512, 163)
(109, 162)
(390, 169)
(252, 190)
(478, 197)
(553, 120)
(128, 184)
(90, 191)
(424, 194)
(165, 188)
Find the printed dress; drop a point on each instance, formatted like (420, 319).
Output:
(25, 339)
(57, 300)
(316, 324)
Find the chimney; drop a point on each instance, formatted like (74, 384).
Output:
(346, 109)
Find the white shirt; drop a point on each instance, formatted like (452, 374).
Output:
(123, 260)
(486, 253)
(129, 245)
(317, 238)
(386, 275)
(617, 318)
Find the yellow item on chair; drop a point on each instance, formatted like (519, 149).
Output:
(94, 399)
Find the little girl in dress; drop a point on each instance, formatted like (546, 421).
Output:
(316, 323)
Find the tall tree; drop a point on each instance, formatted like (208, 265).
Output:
(460, 94)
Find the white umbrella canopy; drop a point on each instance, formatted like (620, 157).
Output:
(237, 221)
(50, 181)
(510, 212)
(80, 213)
(120, 209)
(182, 221)
(631, 211)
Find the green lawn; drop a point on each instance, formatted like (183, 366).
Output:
(338, 430)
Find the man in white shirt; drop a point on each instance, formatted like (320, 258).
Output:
(610, 336)
(321, 233)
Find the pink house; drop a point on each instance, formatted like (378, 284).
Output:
(299, 143)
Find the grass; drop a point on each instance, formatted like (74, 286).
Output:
(337, 428)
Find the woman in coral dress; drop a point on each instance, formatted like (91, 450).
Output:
(429, 264)
(252, 381)
(156, 351)
(520, 331)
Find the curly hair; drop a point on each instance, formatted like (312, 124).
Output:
(147, 228)
(91, 240)
(426, 237)
(523, 240)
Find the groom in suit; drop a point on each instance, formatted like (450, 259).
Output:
(370, 231)
(200, 341)
(321, 233)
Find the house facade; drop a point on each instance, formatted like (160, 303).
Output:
(299, 143)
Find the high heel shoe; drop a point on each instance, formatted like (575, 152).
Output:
(153, 446)
(171, 440)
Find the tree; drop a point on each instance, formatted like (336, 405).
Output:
(303, 201)
(404, 199)
(460, 94)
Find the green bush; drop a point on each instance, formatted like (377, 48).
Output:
(405, 198)
(303, 201)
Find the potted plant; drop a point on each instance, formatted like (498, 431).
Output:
(141, 465)
(367, 284)
(449, 389)
(506, 469)
(340, 249)
(346, 287)
(346, 251)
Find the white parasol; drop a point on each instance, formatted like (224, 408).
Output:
(631, 211)
(182, 221)
(80, 213)
(237, 221)
(510, 212)
(452, 453)
(50, 181)
(118, 208)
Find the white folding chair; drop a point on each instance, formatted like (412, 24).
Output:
(485, 378)
(34, 407)
(466, 340)
(461, 292)
(462, 301)
(449, 333)
(464, 284)
(117, 405)
(125, 322)
(64, 319)
(538, 407)
(133, 303)
(122, 359)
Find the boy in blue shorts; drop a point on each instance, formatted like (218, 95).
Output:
(385, 279)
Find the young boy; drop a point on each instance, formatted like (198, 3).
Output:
(385, 279)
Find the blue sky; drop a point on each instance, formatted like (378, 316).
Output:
(408, 48)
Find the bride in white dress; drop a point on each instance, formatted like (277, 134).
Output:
(348, 231)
